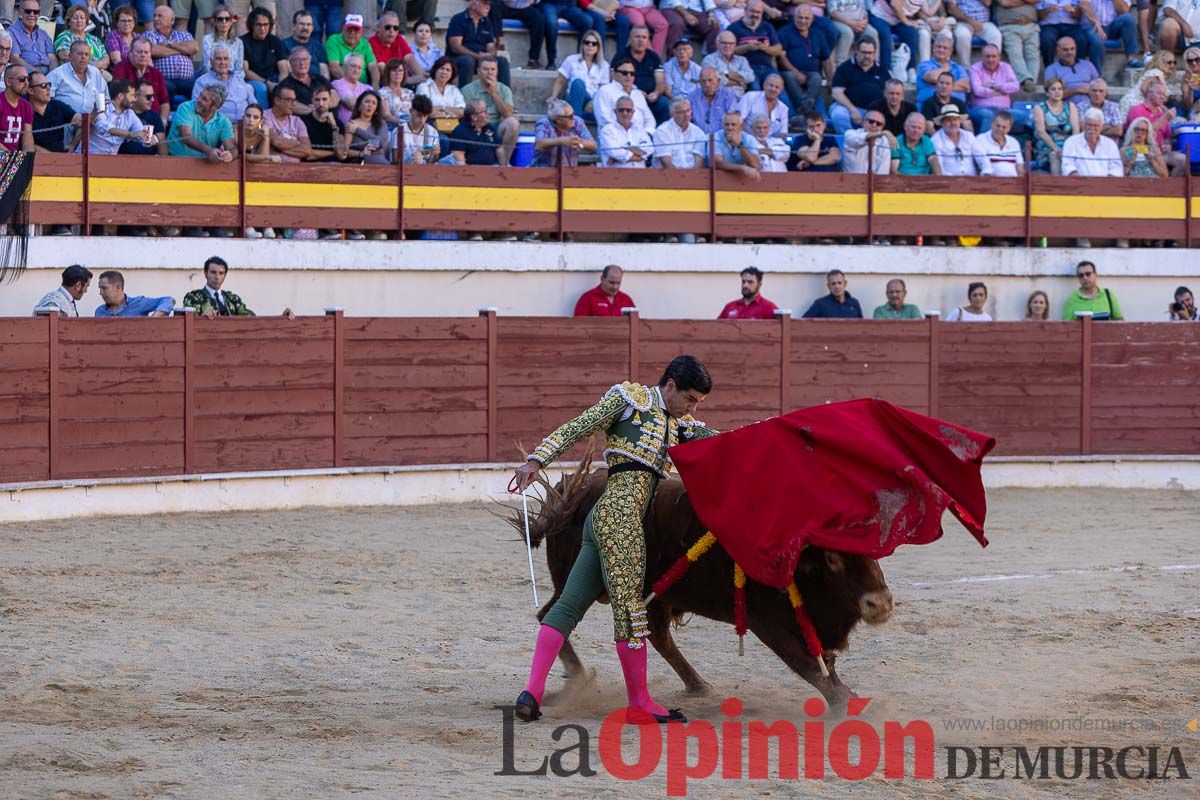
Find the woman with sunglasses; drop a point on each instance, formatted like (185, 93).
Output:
(223, 32)
(1160, 67)
(582, 74)
(120, 38)
(1190, 82)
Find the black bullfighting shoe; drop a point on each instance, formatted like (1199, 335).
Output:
(527, 707)
(674, 715)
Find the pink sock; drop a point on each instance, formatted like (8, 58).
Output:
(633, 664)
(549, 642)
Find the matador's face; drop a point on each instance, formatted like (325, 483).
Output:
(680, 402)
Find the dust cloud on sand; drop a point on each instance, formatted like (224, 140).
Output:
(331, 654)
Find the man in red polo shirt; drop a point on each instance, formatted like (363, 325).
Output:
(139, 67)
(752, 305)
(607, 299)
(387, 43)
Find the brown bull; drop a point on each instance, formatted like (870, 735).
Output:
(838, 589)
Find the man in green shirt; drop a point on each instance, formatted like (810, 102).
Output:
(895, 307)
(914, 153)
(201, 131)
(498, 98)
(351, 40)
(1090, 297)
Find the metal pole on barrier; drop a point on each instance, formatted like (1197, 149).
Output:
(871, 195)
(242, 176)
(1028, 195)
(1187, 200)
(86, 146)
(712, 189)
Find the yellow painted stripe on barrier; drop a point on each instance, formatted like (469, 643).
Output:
(56, 190)
(684, 200)
(949, 205)
(319, 195)
(1092, 207)
(165, 191)
(479, 198)
(824, 204)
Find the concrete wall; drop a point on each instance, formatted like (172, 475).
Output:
(666, 281)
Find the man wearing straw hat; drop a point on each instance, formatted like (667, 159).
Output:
(954, 144)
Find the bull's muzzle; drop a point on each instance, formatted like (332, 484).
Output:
(876, 607)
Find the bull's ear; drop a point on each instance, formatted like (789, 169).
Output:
(834, 561)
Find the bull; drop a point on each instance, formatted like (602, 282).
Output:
(838, 589)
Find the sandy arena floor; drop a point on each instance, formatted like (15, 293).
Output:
(324, 654)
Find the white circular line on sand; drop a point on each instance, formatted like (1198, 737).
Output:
(1045, 575)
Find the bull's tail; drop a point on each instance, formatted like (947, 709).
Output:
(554, 513)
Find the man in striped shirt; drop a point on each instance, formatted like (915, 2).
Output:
(997, 153)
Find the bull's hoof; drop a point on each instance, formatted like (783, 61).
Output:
(700, 689)
(527, 707)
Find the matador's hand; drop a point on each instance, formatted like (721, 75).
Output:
(524, 476)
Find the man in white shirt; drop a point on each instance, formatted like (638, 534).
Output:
(768, 103)
(873, 142)
(678, 144)
(625, 144)
(996, 153)
(75, 282)
(77, 83)
(119, 123)
(605, 101)
(1091, 154)
(955, 146)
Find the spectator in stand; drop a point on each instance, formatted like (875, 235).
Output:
(139, 67)
(78, 21)
(851, 20)
(1092, 154)
(625, 144)
(838, 304)
(806, 59)
(301, 79)
(16, 110)
(679, 143)
(395, 96)
(75, 282)
(872, 141)
(857, 84)
(369, 141)
(121, 36)
(1114, 123)
(895, 307)
(773, 151)
(49, 117)
(6, 54)
(732, 70)
(977, 295)
(413, 10)
(1160, 67)
(955, 146)
(1018, 24)
(211, 301)
(1184, 307)
(388, 42)
(200, 130)
(928, 72)
(643, 14)
(421, 144)
(894, 107)
(576, 17)
(711, 101)
(582, 75)
(561, 136)
(607, 299)
(605, 14)
(1141, 156)
(943, 96)
(1037, 307)
(266, 62)
(974, 19)
(471, 35)
(649, 75)
(1178, 25)
(993, 83)
(932, 24)
(1112, 19)
(237, 92)
(734, 149)
(474, 141)
(1064, 18)
(302, 36)
(119, 123)
(534, 21)
(756, 40)
(1075, 75)
(697, 17)
(1161, 116)
(1090, 297)
(340, 46)
(224, 32)
(914, 153)
(349, 86)
(143, 106)
(77, 83)
(32, 46)
(325, 129)
(768, 102)
(751, 305)
(425, 52)
(173, 50)
(446, 97)
(901, 20)
(119, 304)
(256, 149)
(1189, 81)
(498, 98)
(816, 151)
(996, 153)
(682, 74)
(604, 103)
(1054, 120)
(289, 135)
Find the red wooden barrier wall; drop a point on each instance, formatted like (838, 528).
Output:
(86, 398)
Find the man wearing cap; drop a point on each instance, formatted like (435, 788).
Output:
(471, 35)
(955, 146)
(351, 40)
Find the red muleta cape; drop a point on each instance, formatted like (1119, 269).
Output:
(863, 476)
